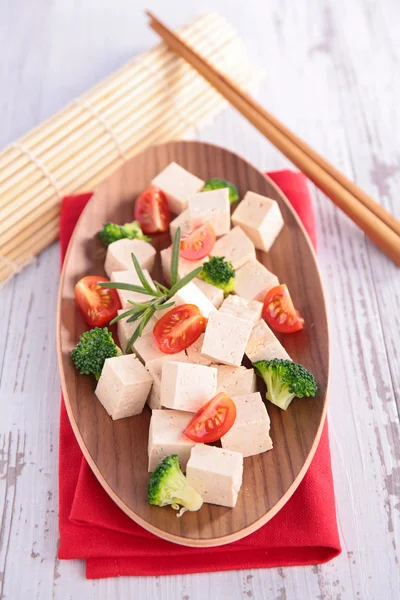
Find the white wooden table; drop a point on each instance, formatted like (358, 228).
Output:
(332, 75)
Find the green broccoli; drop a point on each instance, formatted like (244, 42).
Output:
(168, 485)
(112, 232)
(285, 379)
(91, 351)
(216, 184)
(219, 272)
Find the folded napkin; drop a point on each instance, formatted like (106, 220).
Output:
(92, 527)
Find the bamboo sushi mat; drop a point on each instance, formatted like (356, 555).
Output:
(154, 98)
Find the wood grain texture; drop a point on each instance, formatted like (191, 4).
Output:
(330, 76)
(117, 450)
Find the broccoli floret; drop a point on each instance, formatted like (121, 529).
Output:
(168, 485)
(91, 351)
(216, 184)
(112, 232)
(285, 379)
(219, 272)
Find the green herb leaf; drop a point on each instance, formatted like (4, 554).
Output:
(123, 315)
(139, 329)
(176, 246)
(130, 287)
(184, 281)
(162, 306)
(142, 276)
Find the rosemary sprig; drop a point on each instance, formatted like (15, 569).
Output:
(160, 297)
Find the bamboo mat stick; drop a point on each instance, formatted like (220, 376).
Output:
(14, 186)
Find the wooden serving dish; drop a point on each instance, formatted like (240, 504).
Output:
(117, 450)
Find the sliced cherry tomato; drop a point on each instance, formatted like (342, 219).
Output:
(151, 210)
(179, 328)
(98, 305)
(279, 311)
(198, 243)
(213, 420)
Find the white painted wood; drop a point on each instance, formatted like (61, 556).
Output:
(332, 76)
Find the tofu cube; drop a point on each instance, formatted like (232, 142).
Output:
(184, 266)
(125, 330)
(211, 207)
(264, 345)
(253, 281)
(166, 437)
(146, 349)
(236, 247)
(250, 432)
(154, 367)
(213, 293)
(194, 353)
(118, 257)
(190, 294)
(225, 338)
(183, 221)
(250, 310)
(185, 386)
(260, 218)
(123, 386)
(235, 381)
(131, 277)
(177, 184)
(216, 474)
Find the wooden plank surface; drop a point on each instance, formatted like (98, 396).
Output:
(331, 75)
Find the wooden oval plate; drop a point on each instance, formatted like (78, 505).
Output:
(117, 450)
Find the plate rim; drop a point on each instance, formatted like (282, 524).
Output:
(242, 533)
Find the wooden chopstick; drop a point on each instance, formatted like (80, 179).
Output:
(377, 223)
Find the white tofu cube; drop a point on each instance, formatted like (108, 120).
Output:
(183, 221)
(154, 367)
(253, 281)
(194, 353)
(213, 293)
(225, 338)
(235, 381)
(216, 474)
(166, 437)
(131, 277)
(185, 386)
(211, 207)
(125, 330)
(264, 345)
(236, 247)
(184, 266)
(250, 432)
(250, 310)
(261, 219)
(123, 386)
(190, 294)
(177, 184)
(118, 257)
(146, 349)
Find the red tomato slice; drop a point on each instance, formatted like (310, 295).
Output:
(151, 210)
(98, 305)
(179, 328)
(279, 311)
(213, 420)
(198, 243)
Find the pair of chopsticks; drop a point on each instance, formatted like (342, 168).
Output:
(376, 222)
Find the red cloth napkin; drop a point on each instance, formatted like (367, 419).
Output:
(92, 527)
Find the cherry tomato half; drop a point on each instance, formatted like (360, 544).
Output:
(179, 328)
(151, 210)
(198, 243)
(98, 305)
(213, 420)
(279, 311)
